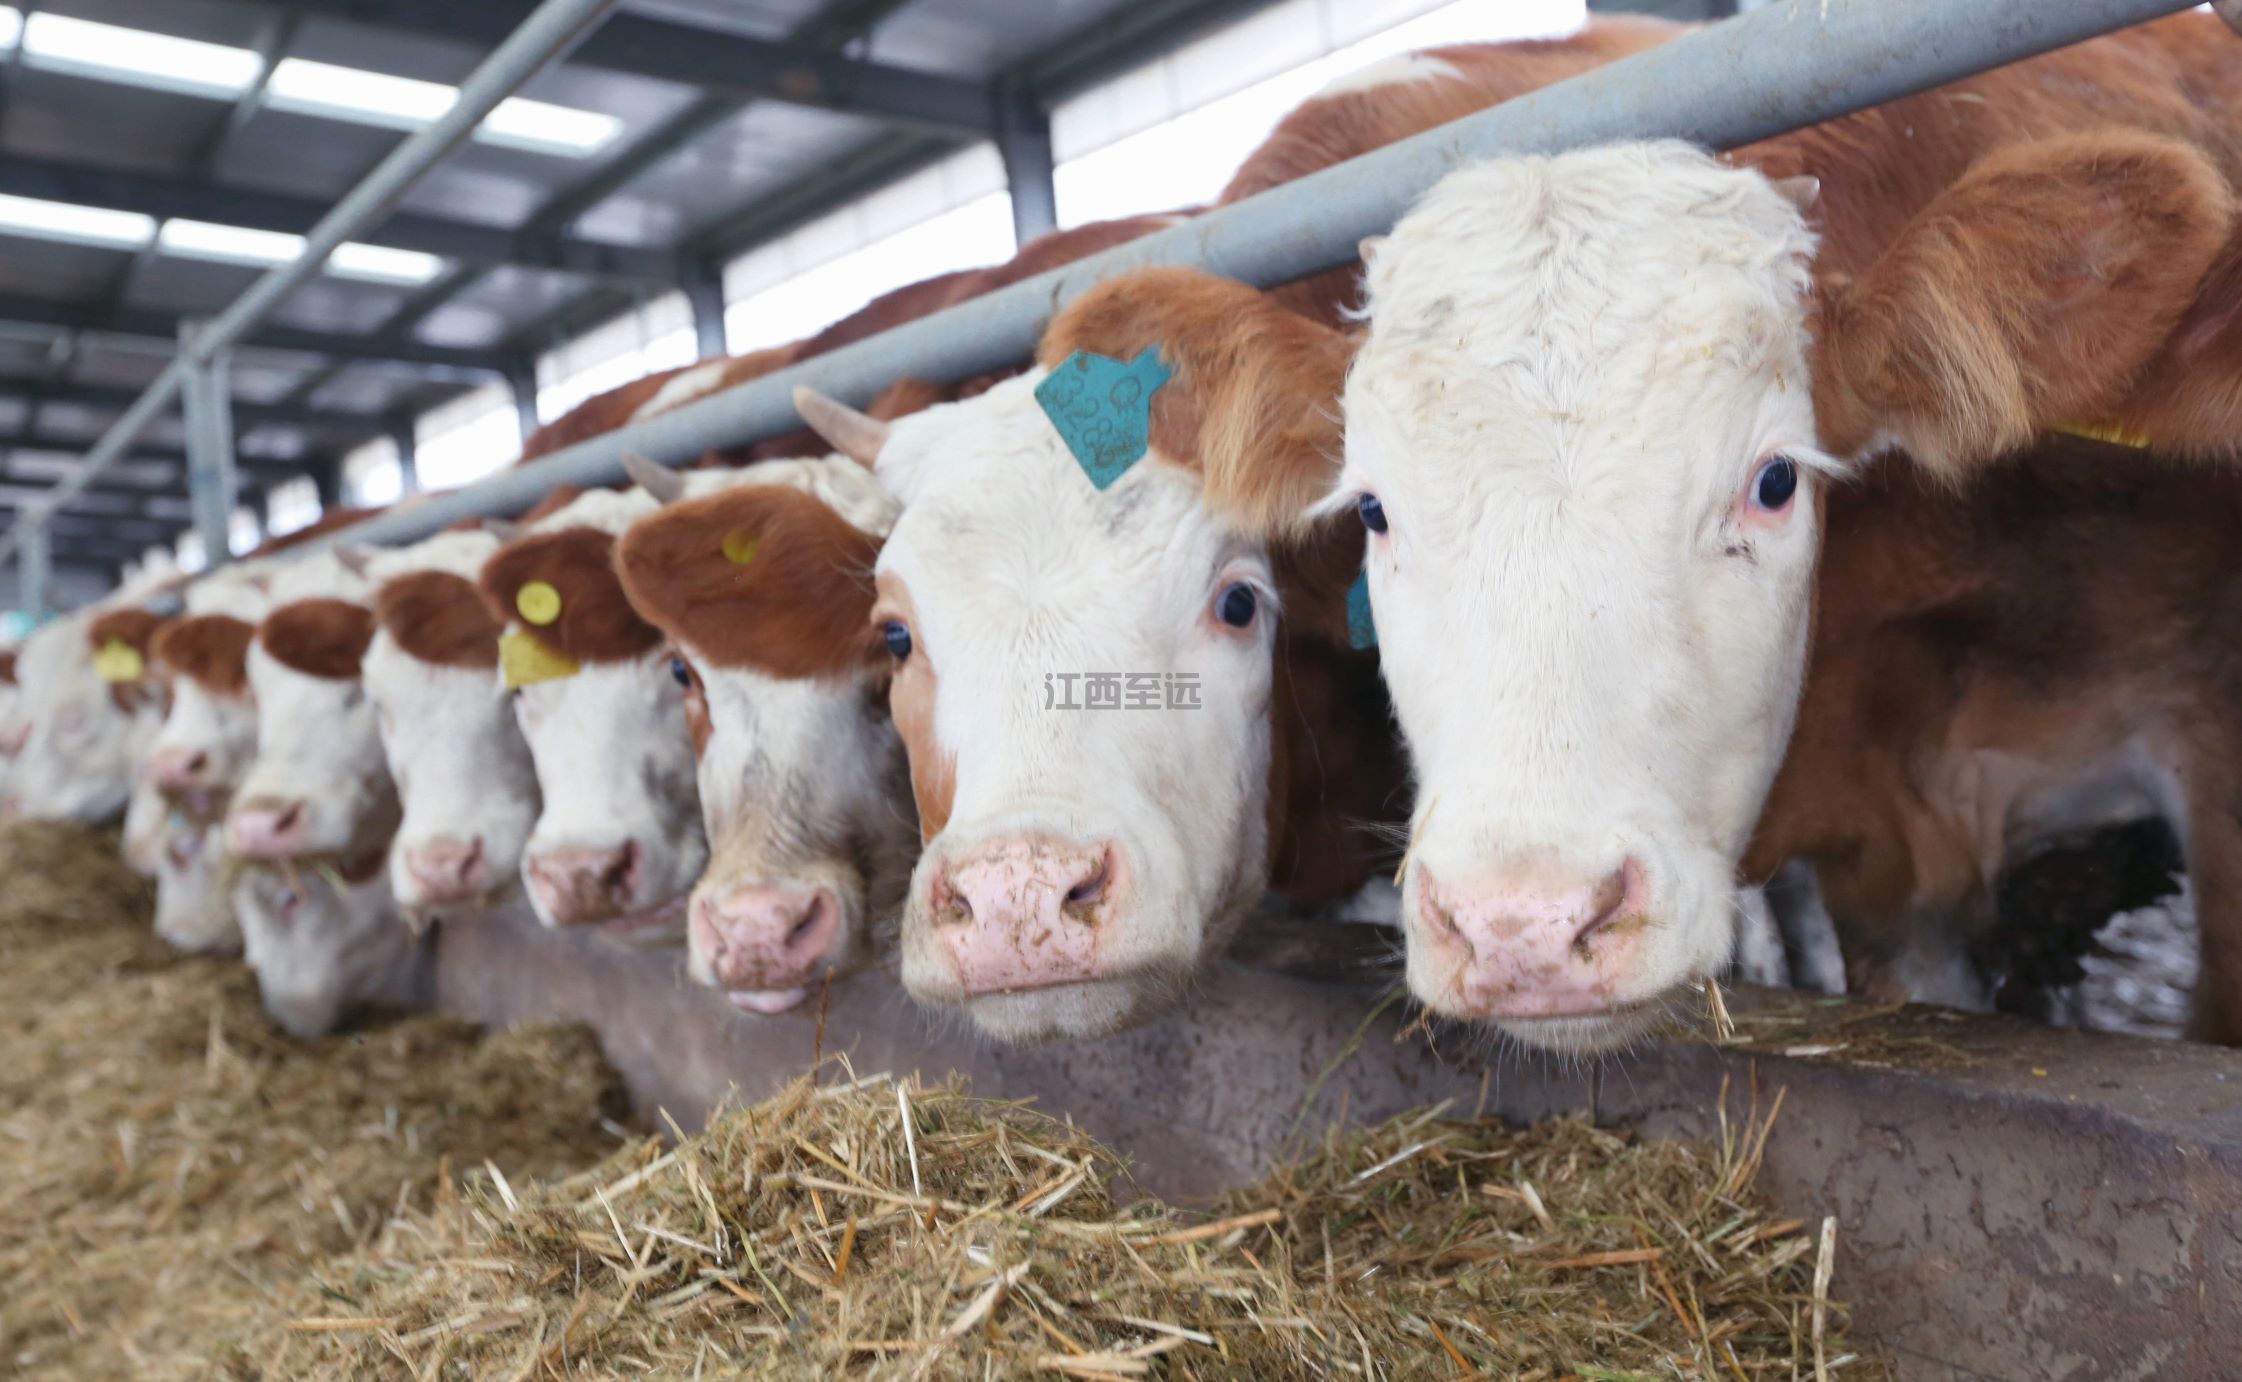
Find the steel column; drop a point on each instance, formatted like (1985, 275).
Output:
(1024, 139)
(1762, 74)
(703, 287)
(406, 438)
(210, 449)
(522, 380)
(37, 567)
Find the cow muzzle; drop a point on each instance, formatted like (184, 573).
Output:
(1027, 912)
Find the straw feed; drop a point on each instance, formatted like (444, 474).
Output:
(166, 1158)
(870, 1230)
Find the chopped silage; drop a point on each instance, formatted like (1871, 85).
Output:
(878, 1230)
(167, 1159)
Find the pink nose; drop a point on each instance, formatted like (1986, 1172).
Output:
(1023, 913)
(584, 886)
(764, 945)
(1534, 949)
(179, 770)
(448, 870)
(267, 829)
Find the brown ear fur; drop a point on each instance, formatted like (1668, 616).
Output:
(210, 650)
(1254, 404)
(320, 638)
(438, 618)
(801, 608)
(596, 622)
(2028, 294)
(135, 628)
(8, 668)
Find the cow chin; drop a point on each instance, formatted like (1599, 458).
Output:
(1086, 1008)
(1598, 1034)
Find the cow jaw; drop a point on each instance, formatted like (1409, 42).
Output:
(1594, 640)
(325, 944)
(191, 910)
(618, 844)
(1081, 863)
(319, 784)
(465, 781)
(800, 784)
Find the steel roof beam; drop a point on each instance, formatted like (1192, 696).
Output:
(253, 414)
(155, 195)
(68, 316)
(717, 61)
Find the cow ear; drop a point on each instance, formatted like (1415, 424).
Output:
(2028, 295)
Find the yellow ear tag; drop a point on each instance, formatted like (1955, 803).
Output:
(2106, 431)
(118, 662)
(524, 661)
(740, 547)
(538, 602)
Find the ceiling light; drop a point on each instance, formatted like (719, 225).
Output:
(228, 244)
(304, 87)
(347, 93)
(383, 264)
(74, 225)
(81, 47)
(541, 127)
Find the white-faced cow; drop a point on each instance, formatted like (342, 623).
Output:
(1113, 746)
(1588, 434)
(801, 775)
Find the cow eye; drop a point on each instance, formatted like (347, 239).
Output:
(680, 673)
(1776, 482)
(897, 637)
(1373, 513)
(1236, 604)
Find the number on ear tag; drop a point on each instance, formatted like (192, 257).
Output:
(1102, 409)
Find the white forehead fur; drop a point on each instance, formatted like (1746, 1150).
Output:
(1516, 284)
(610, 511)
(239, 590)
(461, 554)
(321, 575)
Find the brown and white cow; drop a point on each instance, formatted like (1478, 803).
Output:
(1082, 864)
(618, 841)
(1588, 433)
(800, 771)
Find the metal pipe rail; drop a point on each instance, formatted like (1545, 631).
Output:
(1762, 74)
(556, 27)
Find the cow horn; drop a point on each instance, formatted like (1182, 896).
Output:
(856, 435)
(1802, 191)
(666, 485)
(504, 529)
(355, 560)
(1367, 247)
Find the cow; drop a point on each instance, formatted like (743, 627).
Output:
(326, 944)
(318, 785)
(800, 771)
(618, 841)
(89, 710)
(195, 762)
(466, 786)
(1589, 434)
(1080, 866)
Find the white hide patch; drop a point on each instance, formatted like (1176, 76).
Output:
(1575, 368)
(321, 954)
(683, 388)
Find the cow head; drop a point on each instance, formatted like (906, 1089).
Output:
(618, 843)
(91, 705)
(1082, 668)
(463, 772)
(801, 773)
(325, 943)
(1583, 437)
(319, 784)
(192, 913)
(210, 733)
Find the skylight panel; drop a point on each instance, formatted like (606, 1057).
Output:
(406, 103)
(228, 244)
(383, 264)
(541, 127)
(82, 47)
(75, 225)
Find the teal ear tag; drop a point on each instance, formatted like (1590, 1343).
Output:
(1103, 409)
(1362, 632)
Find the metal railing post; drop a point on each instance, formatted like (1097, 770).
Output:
(210, 449)
(37, 568)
